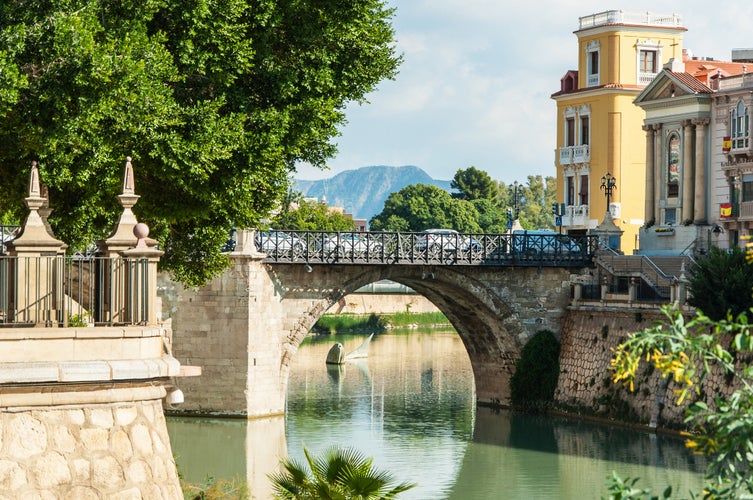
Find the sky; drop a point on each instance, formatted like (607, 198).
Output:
(475, 84)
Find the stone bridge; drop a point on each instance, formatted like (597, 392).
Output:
(245, 327)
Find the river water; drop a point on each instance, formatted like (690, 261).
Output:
(411, 406)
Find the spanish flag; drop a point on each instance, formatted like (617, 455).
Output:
(726, 144)
(725, 210)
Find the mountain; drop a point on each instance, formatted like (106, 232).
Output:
(362, 191)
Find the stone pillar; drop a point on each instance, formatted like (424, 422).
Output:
(658, 168)
(682, 288)
(688, 184)
(36, 276)
(633, 290)
(141, 279)
(113, 271)
(604, 288)
(577, 291)
(650, 167)
(699, 213)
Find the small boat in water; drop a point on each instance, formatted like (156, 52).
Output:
(337, 356)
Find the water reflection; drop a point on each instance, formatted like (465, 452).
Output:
(411, 406)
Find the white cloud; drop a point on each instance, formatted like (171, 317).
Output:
(476, 82)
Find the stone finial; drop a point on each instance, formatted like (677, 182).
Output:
(36, 235)
(35, 200)
(34, 189)
(128, 186)
(122, 237)
(141, 231)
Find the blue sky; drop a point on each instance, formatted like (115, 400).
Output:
(474, 86)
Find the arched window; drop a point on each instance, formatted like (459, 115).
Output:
(740, 126)
(673, 166)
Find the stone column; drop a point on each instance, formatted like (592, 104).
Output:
(699, 213)
(650, 167)
(688, 186)
(658, 167)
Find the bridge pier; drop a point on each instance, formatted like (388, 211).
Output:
(245, 327)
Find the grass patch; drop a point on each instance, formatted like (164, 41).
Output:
(217, 489)
(360, 323)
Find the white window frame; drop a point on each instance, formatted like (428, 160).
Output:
(570, 114)
(645, 77)
(740, 126)
(592, 77)
(584, 140)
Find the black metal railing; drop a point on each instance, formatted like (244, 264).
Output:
(439, 248)
(73, 291)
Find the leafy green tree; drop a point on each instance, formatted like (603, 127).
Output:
(720, 283)
(534, 201)
(337, 474)
(312, 216)
(473, 184)
(215, 100)
(491, 217)
(423, 206)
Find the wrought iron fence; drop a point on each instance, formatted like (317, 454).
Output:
(73, 291)
(439, 248)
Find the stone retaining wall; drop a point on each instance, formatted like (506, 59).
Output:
(588, 336)
(114, 451)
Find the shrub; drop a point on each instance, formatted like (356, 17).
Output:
(537, 371)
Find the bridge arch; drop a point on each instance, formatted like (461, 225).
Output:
(258, 313)
(489, 326)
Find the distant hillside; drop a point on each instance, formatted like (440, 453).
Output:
(362, 192)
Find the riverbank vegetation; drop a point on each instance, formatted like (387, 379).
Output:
(369, 323)
(686, 352)
(536, 372)
(217, 489)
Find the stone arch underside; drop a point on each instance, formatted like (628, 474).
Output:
(494, 310)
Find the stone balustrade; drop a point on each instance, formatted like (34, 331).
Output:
(81, 408)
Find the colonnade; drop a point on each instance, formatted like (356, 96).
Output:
(693, 196)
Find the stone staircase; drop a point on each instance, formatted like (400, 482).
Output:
(658, 272)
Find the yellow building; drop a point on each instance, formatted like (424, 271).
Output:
(598, 126)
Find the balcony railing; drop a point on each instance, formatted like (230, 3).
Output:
(746, 210)
(592, 80)
(575, 154)
(65, 291)
(633, 18)
(582, 153)
(646, 78)
(576, 215)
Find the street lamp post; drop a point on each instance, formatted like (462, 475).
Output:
(608, 183)
(515, 200)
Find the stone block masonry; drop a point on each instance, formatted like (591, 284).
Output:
(91, 451)
(585, 382)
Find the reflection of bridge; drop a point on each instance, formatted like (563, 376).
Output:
(506, 249)
(245, 327)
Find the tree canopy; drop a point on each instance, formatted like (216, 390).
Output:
(215, 100)
(422, 206)
(473, 209)
(473, 184)
(313, 216)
